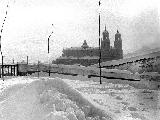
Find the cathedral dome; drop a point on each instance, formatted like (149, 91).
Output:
(85, 45)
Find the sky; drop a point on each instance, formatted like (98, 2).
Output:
(29, 24)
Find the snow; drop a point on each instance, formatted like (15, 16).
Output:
(62, 97)
(56, 116)
(118, 97)
(7, 82)
(74, 69)
(46, 99)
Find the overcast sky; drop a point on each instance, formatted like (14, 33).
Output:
(29, 23)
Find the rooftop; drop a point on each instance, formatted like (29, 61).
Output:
(80, 48)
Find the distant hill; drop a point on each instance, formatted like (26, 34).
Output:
(137, 55)
(140, 52)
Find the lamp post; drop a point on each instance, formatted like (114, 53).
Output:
(48, 49)
(100, 71)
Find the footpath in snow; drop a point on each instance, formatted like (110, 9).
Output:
(26, 98)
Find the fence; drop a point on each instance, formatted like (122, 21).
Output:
(9, 70)
(24, 70)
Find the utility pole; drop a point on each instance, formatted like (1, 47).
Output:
(1, 38)
(100, 44)
(2, 69)
(1, 55)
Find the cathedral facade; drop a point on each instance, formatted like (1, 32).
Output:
(86, 55)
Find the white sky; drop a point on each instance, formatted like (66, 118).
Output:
(28, 25)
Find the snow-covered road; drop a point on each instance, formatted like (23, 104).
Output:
(75, 98)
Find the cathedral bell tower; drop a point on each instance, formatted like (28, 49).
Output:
(118, 41)
(118, 44)
(105, 44)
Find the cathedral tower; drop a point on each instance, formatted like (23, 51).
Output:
(118, 44)
(118, 41)
(105, 44)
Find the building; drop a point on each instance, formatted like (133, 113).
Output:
(86, 55)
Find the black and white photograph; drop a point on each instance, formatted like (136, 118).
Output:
(79, 60)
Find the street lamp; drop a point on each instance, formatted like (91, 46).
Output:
(49, 39)
(48, 49)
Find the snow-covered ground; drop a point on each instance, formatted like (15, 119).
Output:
(64, 97)
(27, 98)
(118, 97)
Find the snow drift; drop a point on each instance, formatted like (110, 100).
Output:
(50, 99)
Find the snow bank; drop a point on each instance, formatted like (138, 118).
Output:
(7, 82)
(49, 99)
(93, 71)
(89, 109)
(21, 105)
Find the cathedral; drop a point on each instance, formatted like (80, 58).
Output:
(86, 55)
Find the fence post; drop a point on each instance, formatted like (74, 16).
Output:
(14, 70)
(17, 70)
(8, 69)
(27, 65)
(11, 70)
(38, 69)
(49, 70)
